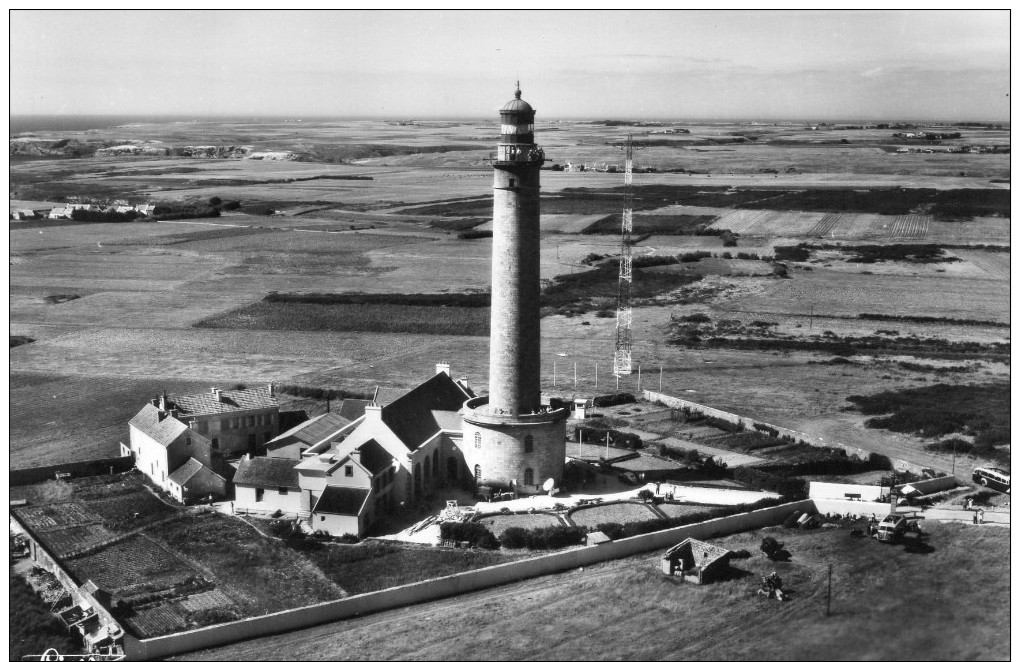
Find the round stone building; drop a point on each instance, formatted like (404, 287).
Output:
(509, 438)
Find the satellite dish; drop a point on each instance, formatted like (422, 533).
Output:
(548, 484)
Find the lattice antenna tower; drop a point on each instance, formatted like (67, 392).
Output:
(624, 311)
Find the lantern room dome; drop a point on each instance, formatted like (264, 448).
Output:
(518, 105)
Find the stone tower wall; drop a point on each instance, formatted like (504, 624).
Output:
(514, 361)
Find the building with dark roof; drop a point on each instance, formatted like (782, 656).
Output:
(235, 422)
(340, 510)
(263, 485)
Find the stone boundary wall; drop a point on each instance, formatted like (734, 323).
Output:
(819, 490)
(678, 403)
(434, 589)
(76, 469)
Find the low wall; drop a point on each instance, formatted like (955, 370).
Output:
(846, 507)
(949, 515)
(433, 589)
(679, 403)
(76, 469)
(818, 490)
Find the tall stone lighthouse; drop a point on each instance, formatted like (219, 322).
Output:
(509, 438)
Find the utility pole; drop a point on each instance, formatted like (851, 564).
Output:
(639, 378)
(575, 374)
(828, 595)
(954, 456)
(607, 445)
(811, 319)
(596, 374)
(660, 378)
(554, 372)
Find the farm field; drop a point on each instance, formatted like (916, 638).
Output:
(142, 287)
(916, 606)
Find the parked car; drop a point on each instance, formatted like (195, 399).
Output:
(995, 478)
(892, 528)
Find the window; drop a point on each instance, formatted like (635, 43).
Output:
(529, 477)
(251, 421)
(189, 441)
(322, 518)
(478, 440)
(511, 182)
(529, 444)
(348, 471)
(259, 493)
(215, 442)
(283, 491)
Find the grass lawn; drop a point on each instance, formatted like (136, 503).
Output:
(886, 604)
(621, 513)
(372, 567)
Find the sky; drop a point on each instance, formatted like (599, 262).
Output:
(747, 64)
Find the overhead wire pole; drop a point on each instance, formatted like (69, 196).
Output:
(624, 312)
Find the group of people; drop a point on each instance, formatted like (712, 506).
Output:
(979, 516)
(772, 586)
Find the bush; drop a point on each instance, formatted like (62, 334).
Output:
(613, 530)
(613, 399)
(474, 533)
(551, 537)
(786, 486)
(474, 234)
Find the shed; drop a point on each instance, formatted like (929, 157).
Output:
(696, 561)
(596, 538)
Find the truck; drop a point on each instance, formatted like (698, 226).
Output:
(892, 528)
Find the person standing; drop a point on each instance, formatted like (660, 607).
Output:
(981, 517)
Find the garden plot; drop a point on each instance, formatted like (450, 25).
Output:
(825, 226)
(72, 539)
(621, 513)
(130, 562)
(153, 621)
(56, 515)
(500, 523)
(787, 224)
(214, 599)
(130, 511)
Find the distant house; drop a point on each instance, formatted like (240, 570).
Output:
(292, 443)
(61, 212)
(263, 485)
(145, 210)
(176, 457)
(696, 561)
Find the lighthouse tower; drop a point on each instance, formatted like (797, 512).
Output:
(509, 438)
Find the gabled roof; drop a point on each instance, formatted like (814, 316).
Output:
(189, 470)
(374, 457)
(312, 431)
(337, 500)
(410, 416)
(232, 401)
(352, 409)
(162, 432)
(703, 553)
(267, 472)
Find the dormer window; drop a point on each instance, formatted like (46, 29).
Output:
(349, 471)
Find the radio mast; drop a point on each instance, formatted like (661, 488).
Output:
(624, 312)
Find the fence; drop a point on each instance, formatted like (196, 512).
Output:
(748, 423)
(75, 469)
(433, 589)
(818, 490)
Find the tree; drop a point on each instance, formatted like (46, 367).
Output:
(215, 201)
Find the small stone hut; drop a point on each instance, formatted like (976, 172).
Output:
(696, 561)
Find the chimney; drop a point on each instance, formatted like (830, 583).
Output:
(155, 402)
(272, 390)
(443, 367)
(217, 395)
(160, 415)
(373, 412)
(163, 401)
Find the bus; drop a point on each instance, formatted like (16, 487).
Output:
(997, 479)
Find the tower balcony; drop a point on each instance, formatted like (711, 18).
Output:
(517, 155)
(479, 412)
